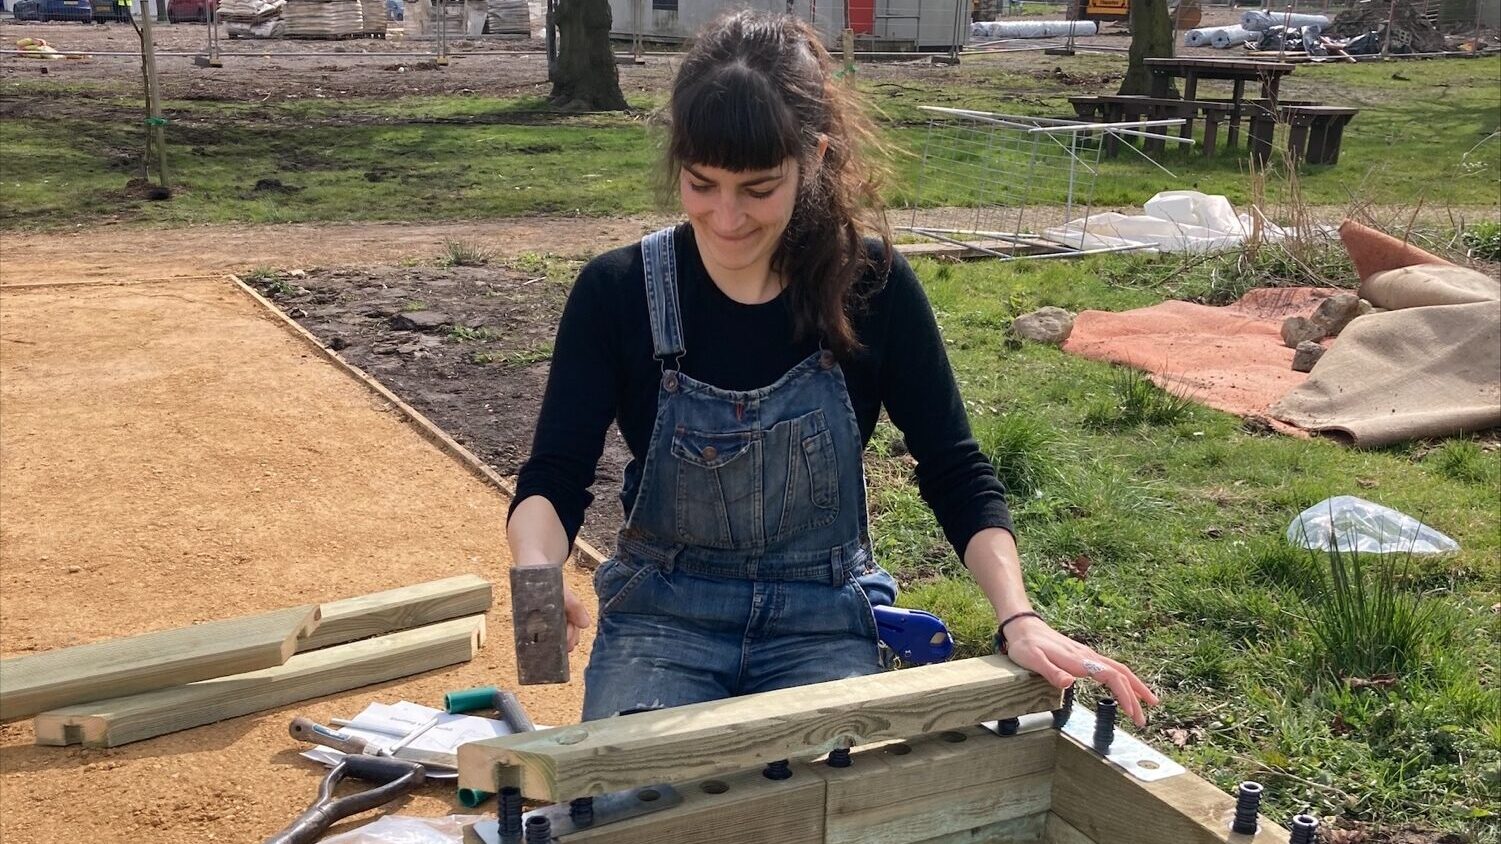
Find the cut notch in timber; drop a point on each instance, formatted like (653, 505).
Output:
(133, 664)
(378, 613)
(730, 735)
(305, 676)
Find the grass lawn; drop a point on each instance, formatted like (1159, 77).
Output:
(1161, 543)
(1420, 138)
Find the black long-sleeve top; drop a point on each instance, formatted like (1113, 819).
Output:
(603, 369)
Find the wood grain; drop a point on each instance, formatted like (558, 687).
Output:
(721, 737)
(1024, 830)
(126, 666)
(1059, 831)
(399, 609)
(119, 721)
(751, 810)
(947, 783)
(1105, 804)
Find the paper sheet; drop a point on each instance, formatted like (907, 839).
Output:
(384, 725)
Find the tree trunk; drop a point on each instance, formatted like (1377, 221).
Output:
(584, 77)
(1151, 38)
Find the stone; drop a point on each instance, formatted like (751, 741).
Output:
(420, 321)
(74, 569)
(1366, 308)
(1044, 325)
(296, 273)
(1306, 356)
(1296, 329)
(1334, 313)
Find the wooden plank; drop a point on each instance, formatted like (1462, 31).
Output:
(125, 666)
(720, 737)
(740, 808)
(948, 783)
(305, 676)
(938, 249)
(1059, 831)
(399, 609)
(1106, 804)
(1027, 829)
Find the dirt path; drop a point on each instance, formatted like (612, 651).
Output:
(170, 453)
(122, 253)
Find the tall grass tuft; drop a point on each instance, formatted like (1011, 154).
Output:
(458, 253)
(1464, 461)
(1135, 400)
(1365, 625)
(1024, 450)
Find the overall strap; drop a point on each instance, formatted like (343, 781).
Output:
(659, 258)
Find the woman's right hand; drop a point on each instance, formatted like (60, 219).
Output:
(577, 616)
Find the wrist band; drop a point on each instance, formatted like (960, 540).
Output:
(1011, 618)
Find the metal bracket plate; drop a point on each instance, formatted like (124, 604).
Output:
(1127, 752)
(608, 808)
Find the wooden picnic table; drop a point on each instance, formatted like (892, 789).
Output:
(1237, 71)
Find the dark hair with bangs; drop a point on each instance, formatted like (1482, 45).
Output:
(755, 90)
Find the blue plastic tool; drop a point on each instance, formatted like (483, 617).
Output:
(916, 637)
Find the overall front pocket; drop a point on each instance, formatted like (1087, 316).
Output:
(746, 490)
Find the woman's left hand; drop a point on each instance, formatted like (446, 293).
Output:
(1033, 645)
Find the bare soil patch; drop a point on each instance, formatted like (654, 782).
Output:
(467, 346)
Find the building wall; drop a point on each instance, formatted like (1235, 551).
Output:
(930, 23)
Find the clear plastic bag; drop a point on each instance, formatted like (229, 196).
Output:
(1347, 523)
(399, 829)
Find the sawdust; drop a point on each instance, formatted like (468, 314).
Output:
(170, 454)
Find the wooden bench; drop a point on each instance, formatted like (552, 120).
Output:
(1317, 131)
(1124, 107)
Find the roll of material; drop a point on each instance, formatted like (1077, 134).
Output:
(1258, 21)
(992, 30)
(1225, 37)
(1197, 37)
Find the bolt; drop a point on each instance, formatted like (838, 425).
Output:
(1060, 716)
(1305, 829)
(778, 770)
(510, 812)
(538, 830)
(1009, 726)
(1104, 725)
(839, 757)
(1247, 805)
(581, 811)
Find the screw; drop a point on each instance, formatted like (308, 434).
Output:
(1104, 725)
(839, 757)
(581, 811)
(538, 830)
(510, 812)
(1247, 805)
(1060, 716)
(1009, 726)
(1305, 829)
(778, 770)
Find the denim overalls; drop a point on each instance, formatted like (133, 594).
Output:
(745, 562)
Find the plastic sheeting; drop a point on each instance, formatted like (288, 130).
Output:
(1257, 21)
(1175, 221)
(1198, 37)
(1350, 524)
(989, 30)
(1226, 37)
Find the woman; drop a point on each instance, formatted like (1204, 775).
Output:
(746, 357)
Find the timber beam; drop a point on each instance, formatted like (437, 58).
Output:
(722, 737)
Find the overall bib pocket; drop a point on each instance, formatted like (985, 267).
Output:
(740, 490)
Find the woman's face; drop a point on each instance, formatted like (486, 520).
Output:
(738, 216)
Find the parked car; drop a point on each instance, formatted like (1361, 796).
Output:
(67, 10)
(179, 11)
(27, 10)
